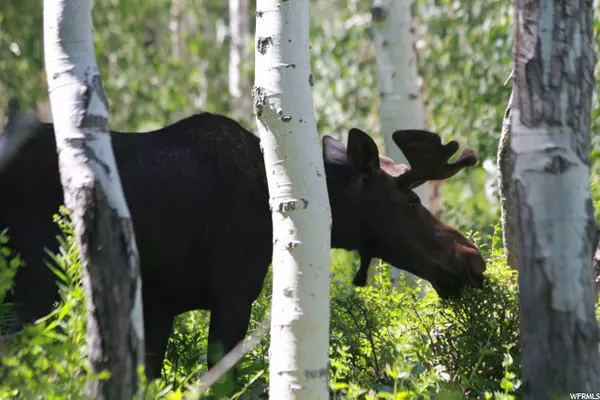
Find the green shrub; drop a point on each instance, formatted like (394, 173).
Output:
(387, 340)
(470, 336)
(47, 360)
(185, 360)
(9, 264)
(186, 350)
(375, 340)
(384, 342)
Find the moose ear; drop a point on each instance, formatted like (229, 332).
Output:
(362, 152)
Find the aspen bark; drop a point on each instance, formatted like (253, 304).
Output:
(239, 29)
(299, 202)
(435, 203)
(505, 189)
(43, 108)
(176, 28)
(2, 106)
(93, 193)
(555, 235)
(401, 105)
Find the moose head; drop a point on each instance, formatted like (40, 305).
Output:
(376, 211)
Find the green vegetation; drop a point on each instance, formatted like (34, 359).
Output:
(385, 343)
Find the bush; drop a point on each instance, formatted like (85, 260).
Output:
(8, 268)
(376, 341)
(470, 337)
(388, 340)
(47, 360)
(384, 342)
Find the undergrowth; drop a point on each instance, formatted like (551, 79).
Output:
(385, 343)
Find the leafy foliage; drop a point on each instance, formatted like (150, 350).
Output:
(467, 335)
(8, 268)
(48, 360)
(384, 342)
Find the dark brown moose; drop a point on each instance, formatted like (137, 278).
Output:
(198, 196)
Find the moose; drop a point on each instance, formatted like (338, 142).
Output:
(198, 196)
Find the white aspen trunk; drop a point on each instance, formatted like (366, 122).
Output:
(597, 269)
(508, 216)
(401, 105)
(556, 234)
(93, 193)
(436, 198)
(299, 202)
(179, 26)
(239, 29)
(43, 109)
(2, 107)
(176, 28)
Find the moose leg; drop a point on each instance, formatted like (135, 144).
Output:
(360, 279)
(228, 326)
(157, 328)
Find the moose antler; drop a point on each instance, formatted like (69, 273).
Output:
(428, 157)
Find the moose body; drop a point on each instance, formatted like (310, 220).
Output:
(199, 201)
